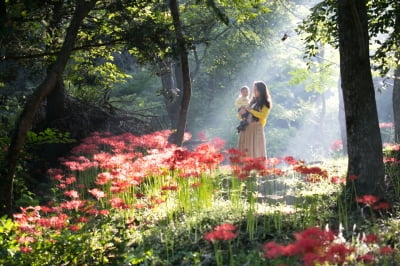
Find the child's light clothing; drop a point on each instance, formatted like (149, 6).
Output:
(242, 101)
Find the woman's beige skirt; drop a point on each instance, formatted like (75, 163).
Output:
(252, 140)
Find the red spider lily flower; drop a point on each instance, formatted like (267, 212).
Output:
(290, 160)
(389, 160)
(170, 187)
(54, 171)
(74, 228)
(85, 149)
(338, 180)
(273, 161)
(370, 239)
(202, 136)
(273, 250)
(72, 204)
(70, 180)
(368, 199)
(273, 171)
(367, 258)
(72, 194)
(292, 249)
(28, 228)
(140, 195)
(80, 163)
(25, 239)
(337, 145)
(195, 185)
(118, 203)
(221, 232)
(236, 159)
(312, 259)
(187, 136)
(386, 250)
(313, 238)
(82, 219)
(117, 189)
(57, 177)
(25, 249)
(337, 254)
(313, 178)
(46, 209)
(386, 125)
(92, 211)
(225, 227)
(157, 200)
(103, 178)
(381, 206)
(396, 148)
(310, 170)
(55, 222)
(140, 205)
(257, 164)
(233, 151)
(218, 143)
(104, 212)
(220, 235)
(98, 194)
(352, 177)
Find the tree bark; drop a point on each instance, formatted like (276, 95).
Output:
(172, 98)
(342, 119)
(365, 159)
(187, 86)
(55, 99)
(25, 120)
(55, 104)
(396, 102)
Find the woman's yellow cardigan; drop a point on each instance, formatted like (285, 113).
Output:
(261, 115)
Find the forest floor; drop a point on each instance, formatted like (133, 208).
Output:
(129, 200)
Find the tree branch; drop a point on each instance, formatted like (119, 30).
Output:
(78, 48)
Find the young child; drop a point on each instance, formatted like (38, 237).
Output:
(241, 102)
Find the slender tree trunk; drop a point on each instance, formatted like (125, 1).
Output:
(187, 86)
(396, 102)
(25, 120)
(169, 91)
(363, 136)
(396, 83)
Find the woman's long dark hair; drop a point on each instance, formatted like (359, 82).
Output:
(264, 96)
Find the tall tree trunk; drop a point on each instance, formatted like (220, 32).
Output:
(25, 120)
(55, 104)
(342, 119)
(172, 98)
(187, 86)
(396, 102)
(396, 83)
(363, 136)
(55, 99)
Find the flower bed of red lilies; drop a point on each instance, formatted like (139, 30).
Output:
(130, 175)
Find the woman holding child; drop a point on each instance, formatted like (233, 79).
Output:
(251, 136)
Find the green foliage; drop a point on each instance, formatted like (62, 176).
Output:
(8, 241)
(48, 136)
(320, 28)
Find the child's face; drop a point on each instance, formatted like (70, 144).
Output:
(244, 93)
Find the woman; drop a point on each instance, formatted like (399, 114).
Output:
(252, 139)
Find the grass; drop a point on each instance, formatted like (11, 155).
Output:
(128, 200)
